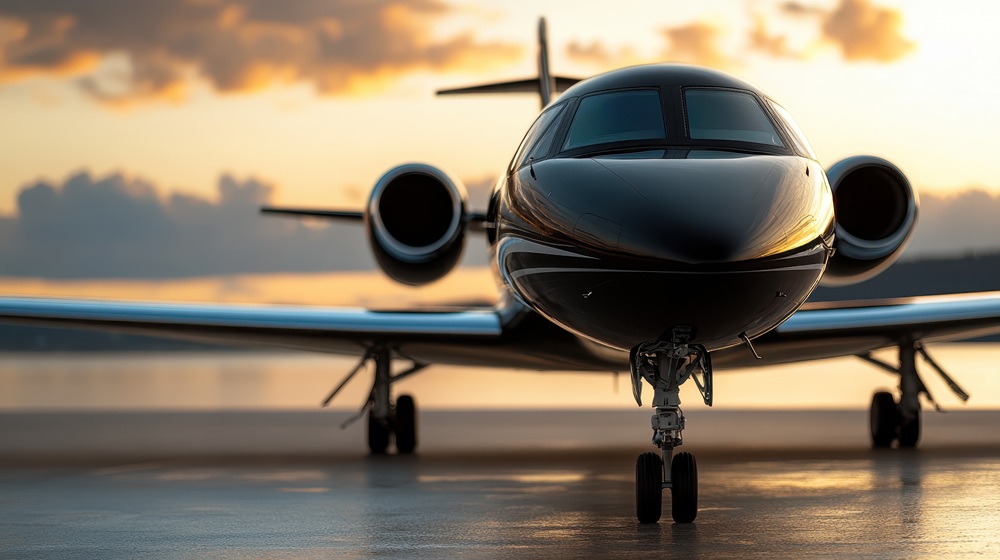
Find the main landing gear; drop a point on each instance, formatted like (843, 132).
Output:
(666, 366)
(384, 419)
(893, 420)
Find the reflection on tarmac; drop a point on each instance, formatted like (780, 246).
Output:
(793, 502)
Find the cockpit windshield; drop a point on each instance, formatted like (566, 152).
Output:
(538, 140)
(797, 137)
(616, 116)
(721, 114)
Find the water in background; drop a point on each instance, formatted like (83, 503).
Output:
(228, 381)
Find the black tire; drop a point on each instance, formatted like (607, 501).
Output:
(406, 424)
(884, 420)
(378, 435)
(684, 488)
(648, 487)
(909, 432)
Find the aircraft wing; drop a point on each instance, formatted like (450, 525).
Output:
(509, 335)
(325, 329)
(829, 329)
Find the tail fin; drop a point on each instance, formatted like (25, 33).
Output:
(545, 85)
(546, 81)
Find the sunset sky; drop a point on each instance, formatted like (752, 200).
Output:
(184, 105)
(137, 139)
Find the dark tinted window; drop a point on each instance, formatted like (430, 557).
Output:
(714, 114)
(540, 133)
(615, 117)
(798, 138)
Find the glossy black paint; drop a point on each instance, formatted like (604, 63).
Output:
(625, 242)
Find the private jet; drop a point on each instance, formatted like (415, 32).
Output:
(666, 220)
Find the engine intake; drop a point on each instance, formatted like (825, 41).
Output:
(876, 210)
(416, 223)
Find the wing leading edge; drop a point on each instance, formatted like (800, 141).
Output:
(510, 336)
(829, 329)
(325, 329)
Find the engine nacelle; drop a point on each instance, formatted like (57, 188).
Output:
(876, 211)
(416, 223)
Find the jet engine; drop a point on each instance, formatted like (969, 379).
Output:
(416, 223)
(876, 211)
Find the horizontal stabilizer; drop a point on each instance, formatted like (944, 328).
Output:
(520, 86)
(475, 221)
(329, 214)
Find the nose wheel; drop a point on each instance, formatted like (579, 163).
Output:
(666, 366)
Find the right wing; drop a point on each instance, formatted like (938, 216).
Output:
(323, 329)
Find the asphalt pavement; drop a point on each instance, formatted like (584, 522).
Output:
(487, 485)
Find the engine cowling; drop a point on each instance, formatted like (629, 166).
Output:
(876, 211)
(416, 223)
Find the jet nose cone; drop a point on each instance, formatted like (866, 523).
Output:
(708, 210)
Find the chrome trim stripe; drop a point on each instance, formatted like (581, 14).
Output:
(512, 245)
(477, 323)
(546, 270)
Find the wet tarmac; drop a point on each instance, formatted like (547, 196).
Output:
(522, 496)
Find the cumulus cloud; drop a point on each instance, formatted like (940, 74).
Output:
(761, 39)
(861, 30)
(121, 227)
(118, 227)
(123, 51)
(695, 43)
(864, 31)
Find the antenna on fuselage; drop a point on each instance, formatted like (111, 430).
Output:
(545, 84)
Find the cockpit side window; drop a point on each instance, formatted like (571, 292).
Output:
(537, 141)
(722, 114)
(794, 132)
(616, 116)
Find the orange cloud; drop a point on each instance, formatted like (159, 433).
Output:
(696, 43)
(861, 30)
(867, 32)
(597, 54)
(237, 45)
(774, 45)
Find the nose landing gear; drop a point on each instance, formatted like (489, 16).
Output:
(666, 366)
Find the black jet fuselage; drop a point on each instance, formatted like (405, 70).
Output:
(658, 200)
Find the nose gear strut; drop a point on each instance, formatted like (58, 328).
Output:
(666, 366)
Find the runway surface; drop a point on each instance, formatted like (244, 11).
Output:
(488, 485)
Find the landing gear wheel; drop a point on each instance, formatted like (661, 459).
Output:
(378, 435)
(684, 489)
(406, 424)
(884, 418)
(648, 487)
(909, 432)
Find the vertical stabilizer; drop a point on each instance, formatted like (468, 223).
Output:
(545, 84)
(546, 81)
